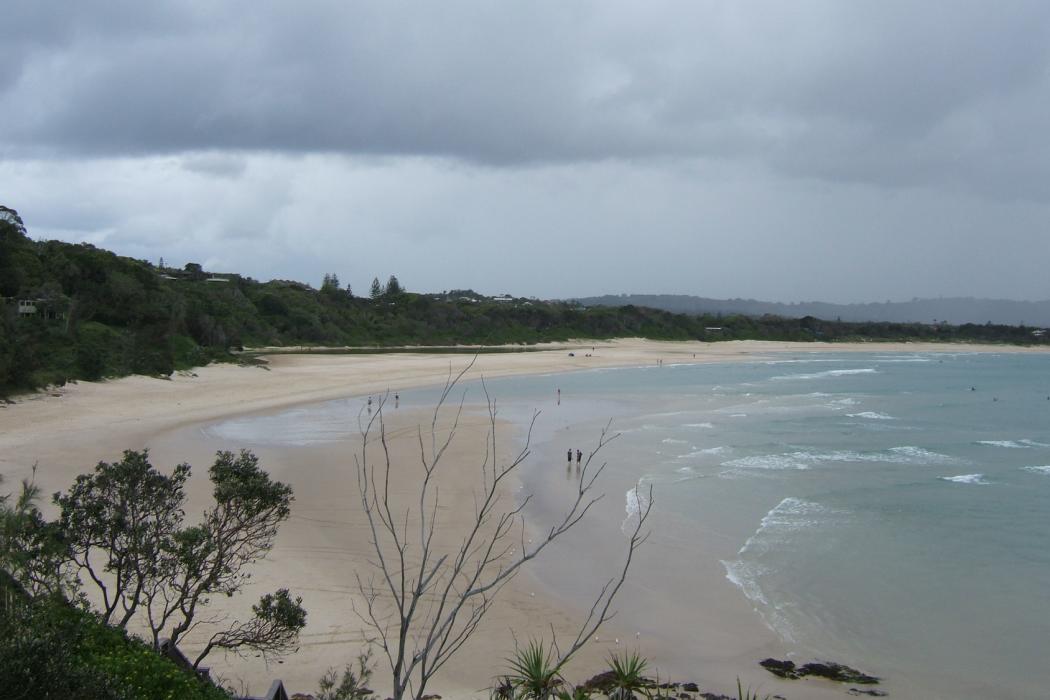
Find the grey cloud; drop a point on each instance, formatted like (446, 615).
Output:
(932, 94)
(217, 164)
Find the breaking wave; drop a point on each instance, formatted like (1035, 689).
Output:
(966, 479)
(1002, 443)
(828, 373)
(801, 459)
(777, 533)
(636, 504)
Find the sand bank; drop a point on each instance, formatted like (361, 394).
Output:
(324, 544)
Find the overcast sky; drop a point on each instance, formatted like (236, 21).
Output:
(837, 151)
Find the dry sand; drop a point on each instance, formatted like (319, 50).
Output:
(65, 431)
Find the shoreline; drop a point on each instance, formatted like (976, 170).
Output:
(65, 434)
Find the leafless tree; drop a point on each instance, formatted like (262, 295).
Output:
(424, 604)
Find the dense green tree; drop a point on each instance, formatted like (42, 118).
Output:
(123, 526)
(330, 283)
(103, 315)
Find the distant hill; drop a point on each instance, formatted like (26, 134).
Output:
(953, 310)
(74, 311)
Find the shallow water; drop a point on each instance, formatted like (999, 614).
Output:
(886, 514)
(867, 508)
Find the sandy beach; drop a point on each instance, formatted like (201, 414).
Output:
(65, 431)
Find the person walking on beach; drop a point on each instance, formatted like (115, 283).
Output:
(579, 456)
(570, 457)
(559, 396)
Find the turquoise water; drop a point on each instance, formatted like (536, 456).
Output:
(888, 511)
(892, 511)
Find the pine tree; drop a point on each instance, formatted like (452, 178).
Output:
(393, 287)
(377, 289)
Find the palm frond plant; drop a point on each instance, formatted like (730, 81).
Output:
(627, 675)
(747, 694)
(503, 689)
(534, 672)
(576, 692)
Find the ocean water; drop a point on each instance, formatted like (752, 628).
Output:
(890, 511)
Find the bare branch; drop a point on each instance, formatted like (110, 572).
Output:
(437, 599)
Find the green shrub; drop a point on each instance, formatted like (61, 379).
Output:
(49, 649)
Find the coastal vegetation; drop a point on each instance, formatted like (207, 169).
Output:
(120, 553)
(74, 311)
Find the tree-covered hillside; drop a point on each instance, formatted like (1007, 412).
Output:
(74, 311)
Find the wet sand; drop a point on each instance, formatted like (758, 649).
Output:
(65, 431)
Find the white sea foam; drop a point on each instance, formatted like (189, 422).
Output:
(636, 504)
(1045, 471)
(848, 401)
(909, 454)
(674, 441)
(775, 534)
(698, 425)
(1034, 443)
(1013, 444)
(745, 577)
(966, 479)
(828, 373)
(776, 462)
(871, 415)
(688, 474)
(807, 361)
(789, 516)
(903, 358)
(802, 459)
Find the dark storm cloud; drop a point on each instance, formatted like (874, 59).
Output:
(950, 94)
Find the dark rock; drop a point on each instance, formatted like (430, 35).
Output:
(821, 669)
(784, 669)
(836, 672)
(690, 688)
(712, 696)
(602, 683)
(873, 693)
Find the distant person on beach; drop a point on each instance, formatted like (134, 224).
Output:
(559, 396)
(579, 456)
(570, 457)
(397, 400)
